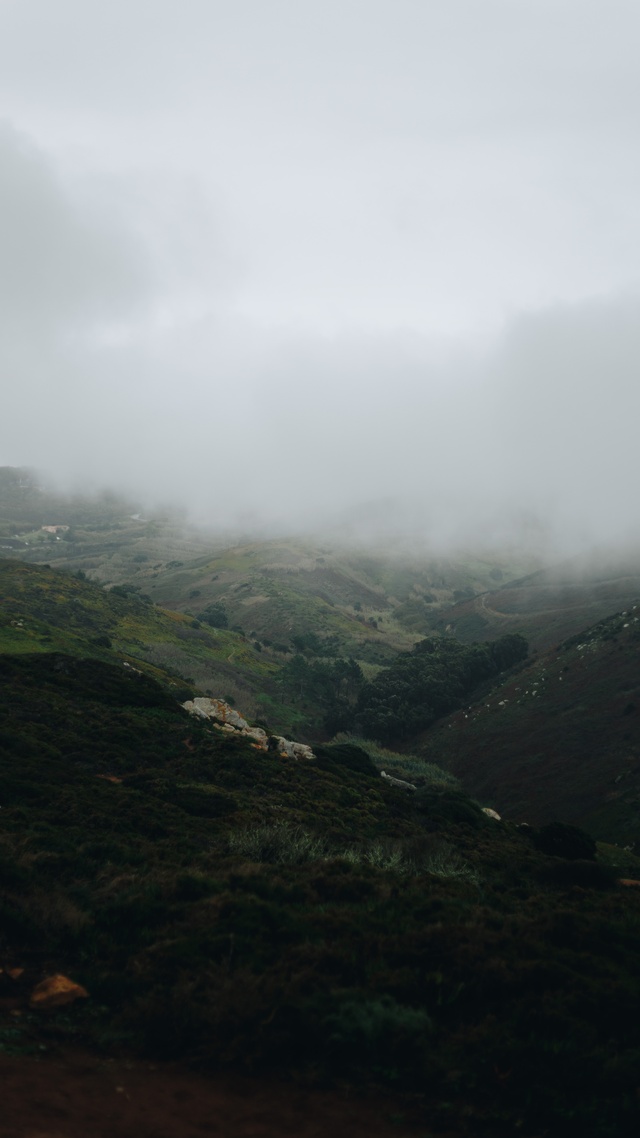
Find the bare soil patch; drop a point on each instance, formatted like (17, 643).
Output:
(81, 1096)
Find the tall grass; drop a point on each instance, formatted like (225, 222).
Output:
(409, 767)
(286, 844)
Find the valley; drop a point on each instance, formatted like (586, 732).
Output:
(401, 913)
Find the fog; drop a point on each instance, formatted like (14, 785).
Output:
(362, 265)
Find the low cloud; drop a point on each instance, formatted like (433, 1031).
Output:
(120, 372)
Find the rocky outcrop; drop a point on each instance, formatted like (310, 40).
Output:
(217, 709)
(227, 719)
(289, 750)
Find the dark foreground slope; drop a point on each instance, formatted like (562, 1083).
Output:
(254, 913)
(560, 738)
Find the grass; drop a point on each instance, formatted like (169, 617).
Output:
(256, 913)
(409, 767)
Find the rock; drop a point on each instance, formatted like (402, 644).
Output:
(289, 750)
(226, 718)
(397, 781)
(216, 709)
(491, 813)
(55, 991)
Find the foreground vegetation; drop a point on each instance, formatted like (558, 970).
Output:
(244, 910)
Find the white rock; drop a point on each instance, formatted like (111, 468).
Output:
(397, 781)
(491, 813)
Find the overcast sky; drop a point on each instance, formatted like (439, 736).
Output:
(293, 260)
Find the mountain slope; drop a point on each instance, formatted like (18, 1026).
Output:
(251, 912)
(42, 610)
(548, 606)
(559, 739)
(373, 604)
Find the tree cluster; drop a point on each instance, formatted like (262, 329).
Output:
(435, 678)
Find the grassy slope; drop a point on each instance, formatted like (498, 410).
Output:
(42, 610)
(561, 738)
(552, 604)
(278, 589)
(462, 974)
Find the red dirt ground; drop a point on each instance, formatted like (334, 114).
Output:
(81, 1096)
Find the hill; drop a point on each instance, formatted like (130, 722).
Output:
(256, 913)
(560, 737)
(44, 611)
(366, 603)
(551, 604)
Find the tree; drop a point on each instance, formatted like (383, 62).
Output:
(215, 616)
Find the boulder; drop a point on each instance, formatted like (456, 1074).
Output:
(55, 991)
(289, 750)
(491, 813)
(226, 718)
(216, 709)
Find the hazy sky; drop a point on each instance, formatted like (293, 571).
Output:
(294, 259)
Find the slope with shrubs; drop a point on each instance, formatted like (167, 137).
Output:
(551, 604)
(254, 912)
(560, 738)
(42, 610)
(428, 682)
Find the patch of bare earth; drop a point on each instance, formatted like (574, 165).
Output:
(80, 1096)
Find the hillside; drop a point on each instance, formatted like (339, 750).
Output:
(367, 603)
(303, 918)
(42, 610)
(551, 604)
(560, 738)
(307, 919)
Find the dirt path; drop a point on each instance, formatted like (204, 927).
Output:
(81, 1096)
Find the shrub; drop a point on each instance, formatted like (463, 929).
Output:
(409, 767)
(379, 1035)
(278, 844)
(562, 840)
(449, 806)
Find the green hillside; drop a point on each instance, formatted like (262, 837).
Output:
(42, 610)
(372, 603)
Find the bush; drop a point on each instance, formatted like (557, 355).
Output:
(562, 840)
(585, 874)
(346, 755)
(449, 806)
(409, 767)
(215, 616)
(378, 1035)
(279, 844)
